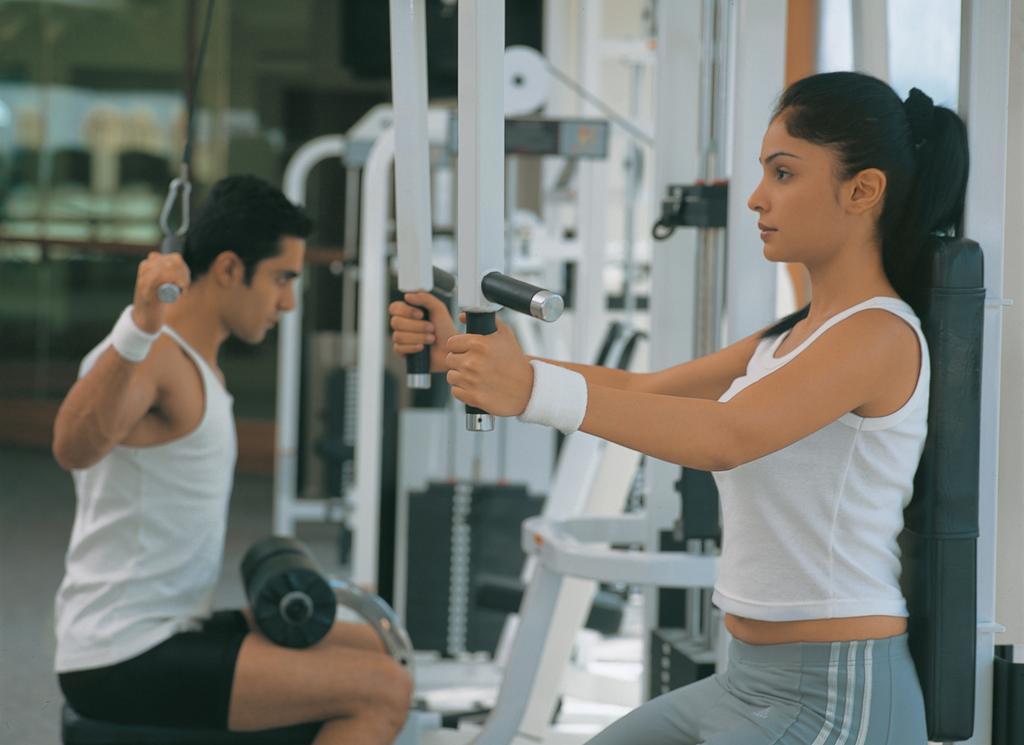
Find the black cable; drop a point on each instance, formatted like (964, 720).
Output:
(186, 158)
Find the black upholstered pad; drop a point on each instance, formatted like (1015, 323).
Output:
(80, 731)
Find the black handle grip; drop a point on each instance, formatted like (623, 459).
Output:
(443, 282)
(522, 296)
(417, 365)
(417, 369)
(483, 324)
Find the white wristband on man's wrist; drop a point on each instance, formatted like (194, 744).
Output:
(558, 399)
(129, 340)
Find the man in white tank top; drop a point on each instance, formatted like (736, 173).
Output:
(148, 433)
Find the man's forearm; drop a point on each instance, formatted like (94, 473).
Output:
(98, 411)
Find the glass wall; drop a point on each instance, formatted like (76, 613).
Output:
(92, 123)
(924, 48)
(923, 44)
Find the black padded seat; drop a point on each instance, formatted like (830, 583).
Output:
(77, 730)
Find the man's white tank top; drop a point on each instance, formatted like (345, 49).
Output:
(148, 539)
(810, 531)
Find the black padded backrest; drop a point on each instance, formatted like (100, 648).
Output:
(939, 541)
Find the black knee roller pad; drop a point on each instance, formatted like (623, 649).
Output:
(291, 600)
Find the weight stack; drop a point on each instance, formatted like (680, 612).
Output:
(678, 655)
(459, 535)
(676, 661)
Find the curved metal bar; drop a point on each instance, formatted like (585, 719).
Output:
(180, 189)
(380, 616)
(287, 504)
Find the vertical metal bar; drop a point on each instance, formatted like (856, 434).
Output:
(481, 188)
(758, 76)
(871, 37)
(634, 174)
(348, 276)
(711, 242)
(589, 315)
(365, 498)
(990, 57)
(713, 114)
(289, 350)
(673, 269)
(412, 146)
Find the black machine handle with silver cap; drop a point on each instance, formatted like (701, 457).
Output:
(518, 296)
(523, 297)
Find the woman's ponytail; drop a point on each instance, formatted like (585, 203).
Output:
(934, 204)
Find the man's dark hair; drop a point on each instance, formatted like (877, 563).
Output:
(245, 215)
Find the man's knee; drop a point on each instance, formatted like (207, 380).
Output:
(391, 694)
(399, 692)
(388, 692)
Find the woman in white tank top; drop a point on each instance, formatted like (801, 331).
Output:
(813, 427)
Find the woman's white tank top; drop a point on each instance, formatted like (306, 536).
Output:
(810, 531)
(148, 538)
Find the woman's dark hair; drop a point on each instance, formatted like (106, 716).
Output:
(245, 215)
(921, 148)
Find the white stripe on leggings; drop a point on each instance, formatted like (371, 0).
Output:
(865, 712)
(851, 680)
(830, 710)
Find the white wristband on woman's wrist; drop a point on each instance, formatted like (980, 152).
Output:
(129, 340)
(558, 399)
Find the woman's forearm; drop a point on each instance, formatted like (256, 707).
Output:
(609, 377)
(687, 431)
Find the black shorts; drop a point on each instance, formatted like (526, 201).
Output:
(183, 682)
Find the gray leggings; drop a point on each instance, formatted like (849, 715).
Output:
(838, 693)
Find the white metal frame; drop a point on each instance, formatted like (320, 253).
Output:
(287, 509)
(412, 156)
(362, 509)
(481, 166)
(991, 43)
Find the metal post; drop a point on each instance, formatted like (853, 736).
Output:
(871, 37)
(289, 356)
(758, 76)
(634, 177)
(412, 161)
(990, 45)
(672, 264)
(590, 310)
(364, 502)
(481, 163)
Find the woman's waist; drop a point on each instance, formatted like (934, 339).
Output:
(854, 628)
